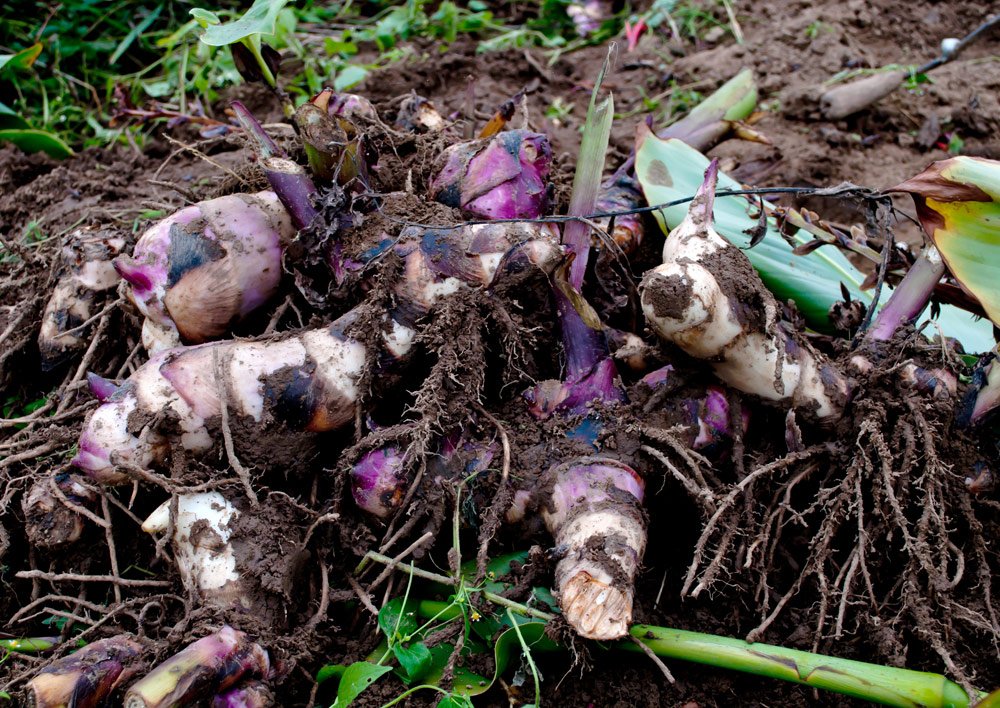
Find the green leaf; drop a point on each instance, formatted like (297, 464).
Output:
(348, 77)
(258, 20)
(454, 702)
(134, 34)
(357, 677)
(205, 18)
(958, 202)
(414, 661)
(20, 60)
(332, 46)
(9, 118)
(329, 671)
(506, 648)
(397, 620)
(991, 701)
(669, 170)
(31, 140)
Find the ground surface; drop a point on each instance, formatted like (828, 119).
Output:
(792, 47)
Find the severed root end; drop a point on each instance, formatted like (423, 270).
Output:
(594, 512)
(594, 608)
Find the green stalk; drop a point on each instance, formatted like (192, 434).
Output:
(881, 684)
(887, 685)
(712, 118)
(29, 645)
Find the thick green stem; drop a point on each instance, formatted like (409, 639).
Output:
(30, 645)
(881, 684)
(711, 119)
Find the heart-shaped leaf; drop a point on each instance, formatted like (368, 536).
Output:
(397, 620)
(355, 679)
(414, 661)
(260, 19)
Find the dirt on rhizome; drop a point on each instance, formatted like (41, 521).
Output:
(863, 539)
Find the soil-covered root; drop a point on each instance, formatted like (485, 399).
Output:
(242, 557)
(707, 299)
(593, 509)
(51, 510)
(84, 273)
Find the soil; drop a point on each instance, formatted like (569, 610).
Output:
(784, 562)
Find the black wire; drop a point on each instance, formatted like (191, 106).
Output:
(846, 191)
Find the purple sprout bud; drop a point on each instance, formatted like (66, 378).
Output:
(253, 694)
(575, 396)
(711, 414)
(86, 678)
(659, 377)
(101, 388)
(503, 177)
(345, 105)
(379, 480)
(196, 272)
(209, 666)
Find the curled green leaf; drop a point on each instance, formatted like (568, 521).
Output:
(958, 202)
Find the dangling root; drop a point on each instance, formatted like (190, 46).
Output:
(884, 528)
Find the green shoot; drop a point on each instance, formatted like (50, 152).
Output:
(527, 656)
(247, 31)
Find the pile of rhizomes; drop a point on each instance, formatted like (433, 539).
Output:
(406, 346)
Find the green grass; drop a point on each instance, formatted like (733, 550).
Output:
(95, 57)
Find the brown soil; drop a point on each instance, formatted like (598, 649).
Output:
(785, 540)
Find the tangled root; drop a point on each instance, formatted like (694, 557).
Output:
(881, 527)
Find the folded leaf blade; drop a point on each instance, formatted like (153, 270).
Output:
(958, 202)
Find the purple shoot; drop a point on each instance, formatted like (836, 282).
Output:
(86, 677)
(288, 180)
(503, 177)
(379, 481)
